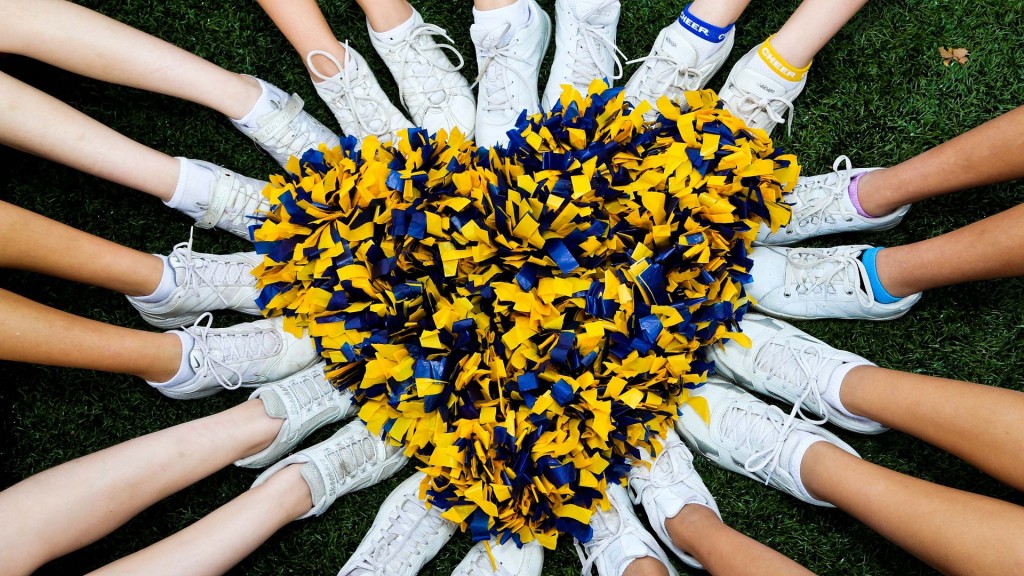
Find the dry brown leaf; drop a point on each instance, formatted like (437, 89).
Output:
(950, 55)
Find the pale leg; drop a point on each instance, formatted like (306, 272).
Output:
(811, 26)
(955, 532)
(304, 26)
(88, 43)
(76, 503)
(718, 12)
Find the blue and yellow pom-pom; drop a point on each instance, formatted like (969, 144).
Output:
(525, 320)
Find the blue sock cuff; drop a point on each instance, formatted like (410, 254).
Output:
(881, 295)
(707, 31)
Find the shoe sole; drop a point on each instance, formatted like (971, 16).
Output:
(784, 316)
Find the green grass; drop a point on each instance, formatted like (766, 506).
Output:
(878, 93)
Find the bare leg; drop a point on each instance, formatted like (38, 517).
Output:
(988, 249)
(811, 26)
(722, 550)
(492, 4)
(32, 332)
(646, 566)
(303, 24)
(952, 415)
(384, 15)
(718, 12)
(987, 154)
(955, 532)
(38, 244)
(31, 121)
(220, 540)
(91, 496)
(85, 42)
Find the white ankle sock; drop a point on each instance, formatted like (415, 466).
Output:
(516, 15)
(805, 441)
(192, 193)
(835, 381)
(270, 99)
(168, 282)
(185, 371)
(399, 32)
(704, 48)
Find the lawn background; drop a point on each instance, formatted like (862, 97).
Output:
(878, 92)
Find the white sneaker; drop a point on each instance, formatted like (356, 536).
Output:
(814, 283)
(757, 98)
(793, 366)
(306, 402)
(585, 47)
(234, 201)
(822, 205)
(745, 435)
(242, 355)
(508, 74)
(430, 87)
(288, 130)
(405, 535)
(673, 67)
(356, 99)
(205, 282)
(666, 486)
(350, 460)
(509, 560)
(619, 538)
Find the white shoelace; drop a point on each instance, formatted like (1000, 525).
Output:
(666, 75)
(356, 97)
(766, 435)
(838, 269)
(406, 538)
(827, 200)
(797, 365)
(670, 467)
(232, 348)
(423, 61)
(493, 68)
(750, 105)
(199, 272)
(593, 43)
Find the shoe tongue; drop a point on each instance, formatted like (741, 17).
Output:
(760, 85)
(675, 45)
(488, 38)
(596, 12)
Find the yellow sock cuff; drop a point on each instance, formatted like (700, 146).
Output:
(784, 69)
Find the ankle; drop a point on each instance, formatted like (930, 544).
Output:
(879, 288)
(852, 390)
(691, 526)
(289, 491)
(868, 194)
(242, 96)
(173, 359)
(646, 566)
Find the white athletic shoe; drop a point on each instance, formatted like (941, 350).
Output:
(306, 402)
(430, 87)
(815, 283)
(745, 435)
(508, 74)
(760, 100)
(787, 363)
(356, 99)
(405, 535)
(666, 486)
(673, 67)
(509, 560)
(242, 355)
(288, 130)
(205, 282)
(585, 47)
(822, 205)
(350, 460)
(234, 200)
(619, 538)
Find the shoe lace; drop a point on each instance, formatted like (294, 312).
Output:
(670, 467)
(809, 270)
(600, 542)
(424, 62)
(198, 272)
(221, 351)
(356, 96)
(797, 365)
(764, 431)
(409, 529)
(495, 64)
(827, 199)
(749, 105)
(591, 42)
